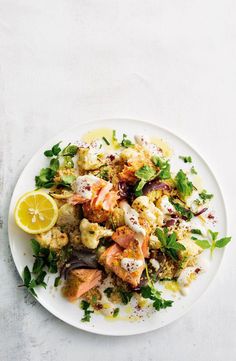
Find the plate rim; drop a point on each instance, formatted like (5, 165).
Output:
(82, 326)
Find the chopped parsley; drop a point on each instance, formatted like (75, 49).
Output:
(186, 159)
(125, 296)
(183, 184)
(155, 295)
(193, 170)
(164, 167)
(116, 312)
(205, 196)
(84, 305)
(55, 150)
(126, 142)
(169, 243)
(105, 140)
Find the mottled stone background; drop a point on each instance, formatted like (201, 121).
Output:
(63, 61)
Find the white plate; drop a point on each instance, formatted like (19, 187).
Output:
(51, 298)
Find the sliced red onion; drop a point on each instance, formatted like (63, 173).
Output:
(200, 212)
(155, 185)
(170, 222)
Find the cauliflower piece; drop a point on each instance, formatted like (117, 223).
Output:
(53, 239)
(116, 218)
(147, 209)
(165, 205)
(92, 232)
(129, 155)
(68, 215)
(88, 158)
(75, 238)
(154, 242)
(191, 248)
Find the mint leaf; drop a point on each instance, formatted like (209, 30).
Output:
(56, 149)
(204, 244)
(26, 276)
(223, 242)
(154, 295)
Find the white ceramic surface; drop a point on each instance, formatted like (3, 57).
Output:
(51, 298)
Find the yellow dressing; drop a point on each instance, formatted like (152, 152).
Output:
(172, 286)
(167, 151)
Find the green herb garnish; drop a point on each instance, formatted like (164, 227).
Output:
(155, 295)
(164, 165)
(116, 312)
(126, 142)
(193, 170)
(125, 296)
(70, 150)
(55, 150)
(145, 174)
(84, 305)
(186, 159)
(183, 184)
(196, 231)
(105, 140)
(205, 196)
(169, 243)
(205, 244)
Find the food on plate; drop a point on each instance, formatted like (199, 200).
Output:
(117, 225)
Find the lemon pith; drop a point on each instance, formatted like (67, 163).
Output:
(36, 212)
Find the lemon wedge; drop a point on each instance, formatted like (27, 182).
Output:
(36, 212)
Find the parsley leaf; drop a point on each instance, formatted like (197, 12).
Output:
(205, 196)
(45, 178)
(126, 142)
(183, 184)
(186, 159)
(153, 294)
(169, 243)
(116, 312)
(193, 170)
(70, 150)
(164, 165)
(145, 174)
(125, 296)
(84, 305)
(54, 151)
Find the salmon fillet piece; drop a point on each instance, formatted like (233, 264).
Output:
(124, 235)
(81, 281)
(111, 259)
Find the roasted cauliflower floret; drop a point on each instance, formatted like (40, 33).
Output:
(191, 248)
(129, 155)
(165, 206)
(68, 215)
(154, 242)
(75, 237)
(147, 210)
(92, 232)
(88, 158)
(53, 239)
(116, 218)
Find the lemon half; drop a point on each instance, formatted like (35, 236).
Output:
(36, 212)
